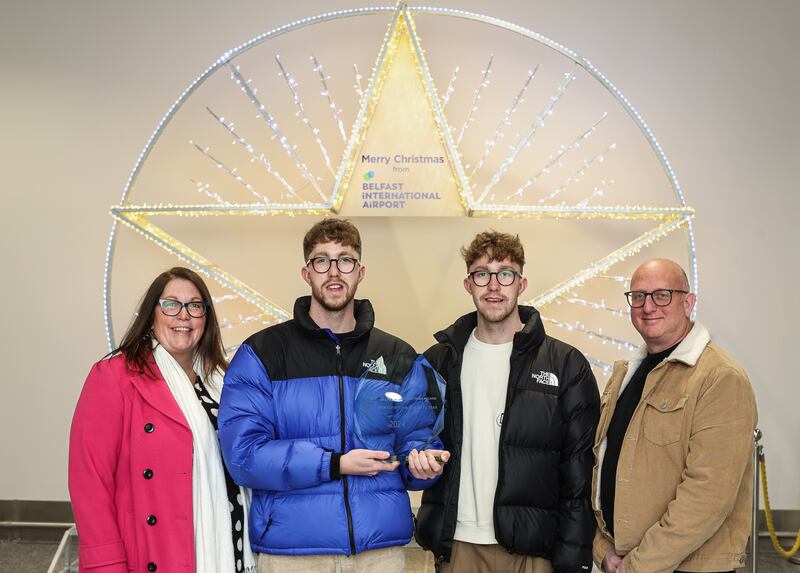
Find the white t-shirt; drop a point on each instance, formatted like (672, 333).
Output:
(484, 380)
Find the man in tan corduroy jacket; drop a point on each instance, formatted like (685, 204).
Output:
(673, 478)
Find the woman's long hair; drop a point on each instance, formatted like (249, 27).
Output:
(137, 346)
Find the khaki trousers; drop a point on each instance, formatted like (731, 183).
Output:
(386, 560)
(472, 558)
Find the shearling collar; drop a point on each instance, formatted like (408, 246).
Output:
(688, 351)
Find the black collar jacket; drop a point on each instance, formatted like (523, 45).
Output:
(542, 505)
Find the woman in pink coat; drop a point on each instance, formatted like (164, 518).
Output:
(149, 489)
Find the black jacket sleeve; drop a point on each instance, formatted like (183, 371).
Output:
(580, 406)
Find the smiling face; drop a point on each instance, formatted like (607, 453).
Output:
(179, 335)
(495, 303)
(662, 326)
(332, 291)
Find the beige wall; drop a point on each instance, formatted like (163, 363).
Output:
(84, 83)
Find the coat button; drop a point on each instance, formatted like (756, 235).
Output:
(148, 427)
(151, 520)
(148, 473)
(151, 566)
(663, 404)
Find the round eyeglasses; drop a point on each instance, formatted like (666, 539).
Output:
(505, 277)
(660, 297)
(172, 307)
(323, 264)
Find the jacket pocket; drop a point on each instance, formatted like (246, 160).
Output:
(663, 419)
(263, 504)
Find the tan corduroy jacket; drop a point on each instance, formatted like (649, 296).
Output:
(685, 473)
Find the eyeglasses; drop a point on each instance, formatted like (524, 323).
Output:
(172, 307)
(660, 297)
(505, 277)
(323, 264)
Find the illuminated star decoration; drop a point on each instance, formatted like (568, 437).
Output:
(476, 200)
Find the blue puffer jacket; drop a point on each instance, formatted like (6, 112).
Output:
(286, 416)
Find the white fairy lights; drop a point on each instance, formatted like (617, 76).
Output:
(597, 191)
(556, 158)
(578, 326)
(301, 111)
(359, 89)
(451, 87)
(505, 121)
(205, 189)
(264, 114)
(574, 299)
(326, 93)
(485, 81)
(526, 138)
(232, 171)
(578, 175)
(259, 158)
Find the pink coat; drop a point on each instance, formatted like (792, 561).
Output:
(130, 474)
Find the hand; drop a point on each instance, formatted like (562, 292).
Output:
(621, 567)
(612, 562)
(423, 465)
(365, 463)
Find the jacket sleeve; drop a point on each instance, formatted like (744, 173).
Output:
(580, 404)
(417, 422)
(600, 547)
(253, 455)
(720, 449)
(94, 446)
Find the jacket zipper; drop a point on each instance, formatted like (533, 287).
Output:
(342, 430)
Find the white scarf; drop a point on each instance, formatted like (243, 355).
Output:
(212, 516)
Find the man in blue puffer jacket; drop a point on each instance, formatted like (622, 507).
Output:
(286, 423)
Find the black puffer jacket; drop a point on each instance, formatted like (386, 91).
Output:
(542, 504)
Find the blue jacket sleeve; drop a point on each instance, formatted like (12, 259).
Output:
(254, 455)
(417, 424)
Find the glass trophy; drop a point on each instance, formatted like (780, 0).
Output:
(398, 409)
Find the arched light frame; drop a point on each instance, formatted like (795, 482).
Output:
(353, 12)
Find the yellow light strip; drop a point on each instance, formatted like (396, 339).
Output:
(453, 156)
(627, 212)
(222, 210)
(618, 212)
(602, 265)
(142, 225)
(369, 102)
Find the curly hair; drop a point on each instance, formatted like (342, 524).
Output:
(495, 245)
(332, 230)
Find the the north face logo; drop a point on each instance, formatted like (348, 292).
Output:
(546, 378)
(377, 366)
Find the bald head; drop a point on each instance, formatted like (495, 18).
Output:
(665, 268)
(662, 326)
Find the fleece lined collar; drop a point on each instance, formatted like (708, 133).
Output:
(688, 351)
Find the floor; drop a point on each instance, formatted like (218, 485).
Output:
(35, 557)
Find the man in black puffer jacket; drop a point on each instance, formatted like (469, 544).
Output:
(522, 413)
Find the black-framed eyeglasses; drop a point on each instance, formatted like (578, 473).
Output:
(323, 264)
(506, 277)
(172, 307)
(660, 297)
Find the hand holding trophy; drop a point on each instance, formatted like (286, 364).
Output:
(399, 409)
